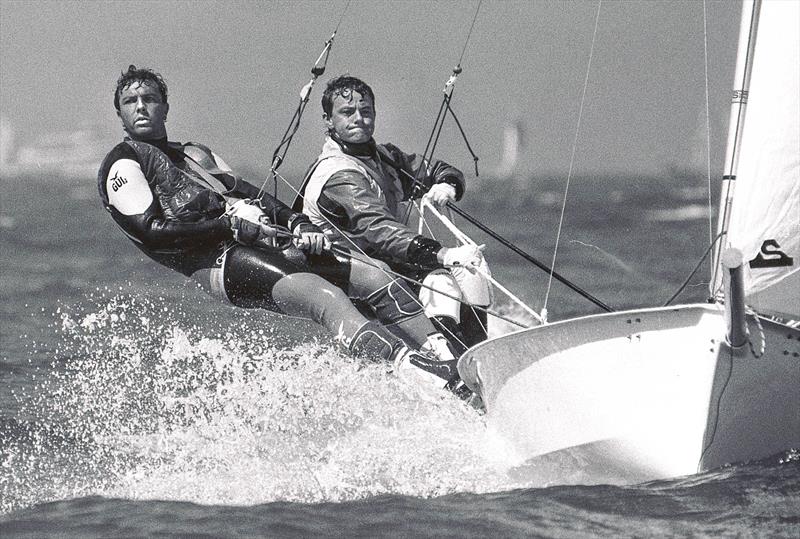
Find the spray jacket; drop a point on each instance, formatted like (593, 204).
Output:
(358, 192)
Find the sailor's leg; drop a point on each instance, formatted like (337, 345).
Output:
(303, 295)
(279, 281)
(392, 301)
(440, 296)
(311, 296)
(473, 325)
(476, 292)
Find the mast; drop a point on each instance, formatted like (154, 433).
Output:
(741, 86)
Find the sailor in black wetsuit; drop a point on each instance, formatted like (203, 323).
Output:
(186, 209)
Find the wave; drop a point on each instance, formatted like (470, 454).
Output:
(151, 406)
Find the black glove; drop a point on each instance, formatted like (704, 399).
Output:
(250, 226)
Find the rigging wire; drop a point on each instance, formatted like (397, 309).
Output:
(697, 267)
(572, 157)
(279, 155)
(469, 34)
(438, 124)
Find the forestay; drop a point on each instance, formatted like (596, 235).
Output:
(765, 215)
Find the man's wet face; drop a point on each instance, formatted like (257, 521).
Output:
(143, 111)
(352, 117)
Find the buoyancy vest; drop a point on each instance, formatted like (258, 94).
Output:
(180, 196)
(333, 160)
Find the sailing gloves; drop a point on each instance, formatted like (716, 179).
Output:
(466, 256)
(250, 225)
(428, 253)
(440, 194)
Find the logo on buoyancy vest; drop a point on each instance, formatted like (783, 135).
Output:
(771, 256)
(118, 181)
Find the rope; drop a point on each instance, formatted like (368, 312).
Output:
(367, 260)
(393, 273)
(763, 346)
(572, 157)
(475, 158)
(463, 238)
(459, 235)
(717, 407)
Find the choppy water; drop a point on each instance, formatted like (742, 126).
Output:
(133, 405)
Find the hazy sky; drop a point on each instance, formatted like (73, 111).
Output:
(235, 68)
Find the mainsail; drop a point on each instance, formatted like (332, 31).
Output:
(764, 220)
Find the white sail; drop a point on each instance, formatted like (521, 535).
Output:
(765, 214)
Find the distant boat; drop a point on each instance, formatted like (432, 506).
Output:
(513, 146)
(669, 391)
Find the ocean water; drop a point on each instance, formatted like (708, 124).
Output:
(132, 405)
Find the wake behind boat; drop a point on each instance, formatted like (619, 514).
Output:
(669, 391)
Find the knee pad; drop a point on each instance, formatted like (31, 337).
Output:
(439, 304)
(394, 302)
(373, 340)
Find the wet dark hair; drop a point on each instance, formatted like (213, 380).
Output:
(135, 74)
(344, 82)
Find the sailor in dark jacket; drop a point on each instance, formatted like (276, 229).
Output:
(186, 209)
(357, 192)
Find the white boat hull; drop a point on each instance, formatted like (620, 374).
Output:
(643, 394)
